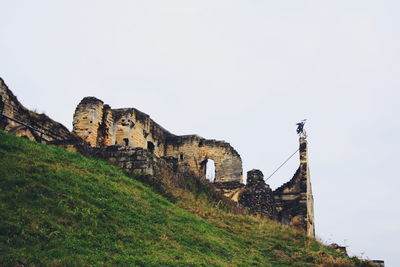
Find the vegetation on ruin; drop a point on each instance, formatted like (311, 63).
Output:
(59, 208)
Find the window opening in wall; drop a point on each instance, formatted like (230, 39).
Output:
(124, 123)
(181, 156)
(210, 170)
(126, 140)
(150, 147)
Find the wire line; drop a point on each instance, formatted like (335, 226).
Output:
(282, 164)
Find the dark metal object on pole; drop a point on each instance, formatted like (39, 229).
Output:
(302, 134)
(300, 129)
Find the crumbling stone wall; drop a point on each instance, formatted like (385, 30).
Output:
(102, 126)
(257, 196)
(135, 128)
(290, 204)
(231, 190)
(294, 200)
(133, 160)
(14, 109)
(195, 151)
(87, 120)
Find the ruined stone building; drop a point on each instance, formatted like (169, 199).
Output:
(102, 126)
(130, 139)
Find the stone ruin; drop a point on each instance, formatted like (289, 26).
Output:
(101, 126)
(131, 140)
(11, 107)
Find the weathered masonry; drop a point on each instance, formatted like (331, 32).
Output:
(294, 200)
(291, 204)
(11, 107)
(102, 126)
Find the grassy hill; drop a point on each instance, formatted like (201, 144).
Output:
(62, 209)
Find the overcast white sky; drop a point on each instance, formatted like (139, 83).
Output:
(242, 71)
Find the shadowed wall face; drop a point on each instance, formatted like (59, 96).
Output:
(294, 200)
(257, 196)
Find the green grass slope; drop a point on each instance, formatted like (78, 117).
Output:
(62, 209)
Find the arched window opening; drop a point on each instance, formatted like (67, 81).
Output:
(126, 141)
(150, 147)
(210, 170)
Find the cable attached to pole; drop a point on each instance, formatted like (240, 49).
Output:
(282, 164)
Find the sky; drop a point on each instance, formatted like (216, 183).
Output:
(241, 71)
